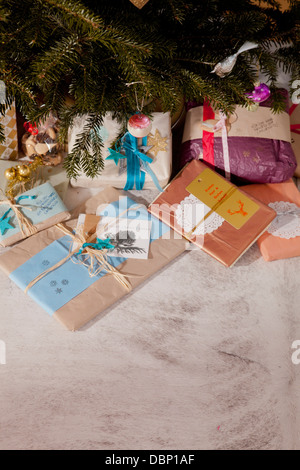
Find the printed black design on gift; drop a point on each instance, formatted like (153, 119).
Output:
(124, 242)
(65, 282)
(45, 262)
(58, 291)
(53, 283)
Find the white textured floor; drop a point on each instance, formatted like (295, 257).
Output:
(199, 357)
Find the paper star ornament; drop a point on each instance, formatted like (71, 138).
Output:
(5, 225)
(158, 143)
(139, 3)
(115, 156)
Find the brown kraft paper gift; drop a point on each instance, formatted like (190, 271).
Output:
(107, 290)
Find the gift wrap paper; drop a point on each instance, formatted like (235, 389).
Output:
(259, 145)
(9, 148)
(295, 136)
(282, 239)
(69, 294)
(45, 210)
(224, 242)
(57, 176)
(110, 176)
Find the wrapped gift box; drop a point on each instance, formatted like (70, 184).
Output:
(41, 205)
(282, 238)
(161, 151)
(9, 148)
(212, 213)
(295, 130)
(68, 293)
(259, 144)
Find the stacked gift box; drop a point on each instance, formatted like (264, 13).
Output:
(235, 188)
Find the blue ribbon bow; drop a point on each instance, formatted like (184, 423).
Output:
(99, 245)
(137, 161)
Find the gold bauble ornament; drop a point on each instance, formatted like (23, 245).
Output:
(24, 171)
(10, 174)
(18, 176)
(21, 175)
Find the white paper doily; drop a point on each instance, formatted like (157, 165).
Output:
(191, 211)
(287, 223)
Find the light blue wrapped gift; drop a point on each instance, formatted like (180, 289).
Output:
(31, 212)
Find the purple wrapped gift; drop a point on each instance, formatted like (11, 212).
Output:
(259, 143)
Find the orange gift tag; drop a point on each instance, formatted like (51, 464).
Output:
(223, 198)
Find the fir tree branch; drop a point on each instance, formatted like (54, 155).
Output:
(88, 50)
(76, 10)
(81, 158)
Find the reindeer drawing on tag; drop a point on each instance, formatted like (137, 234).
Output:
(124, 242)
(240, 211)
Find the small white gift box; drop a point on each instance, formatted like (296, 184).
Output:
(160, 140)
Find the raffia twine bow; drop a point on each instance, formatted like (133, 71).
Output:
(26, 227)
(93, 259)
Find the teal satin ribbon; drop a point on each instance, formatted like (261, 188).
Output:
(136, 162)
(17, 201)
(99, 245)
